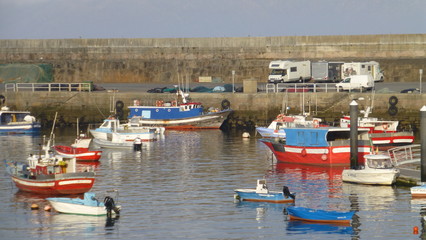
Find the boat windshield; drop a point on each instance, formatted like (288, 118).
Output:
(380, 163)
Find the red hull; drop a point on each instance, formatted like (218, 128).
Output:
(75, 185)
(334, 156)
(81, 154)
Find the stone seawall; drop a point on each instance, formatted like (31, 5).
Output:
(257, 108)
(176, 59)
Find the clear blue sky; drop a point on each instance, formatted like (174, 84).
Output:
(58, 19)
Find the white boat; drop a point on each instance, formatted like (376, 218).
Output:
(13, 122)
(377, 170)
(277, 126)
(263, 194)
(112, 130)
(418, 191)
(90, 205)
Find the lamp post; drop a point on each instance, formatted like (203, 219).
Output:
(421, 73)
(233, 77)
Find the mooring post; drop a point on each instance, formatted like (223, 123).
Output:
(423, 144)
(354, 133)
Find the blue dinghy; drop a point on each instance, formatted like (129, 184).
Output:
(315, 215)
(263, 194)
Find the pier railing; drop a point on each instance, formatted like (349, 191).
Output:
(405, 154)
(303, 87)
(50, 87)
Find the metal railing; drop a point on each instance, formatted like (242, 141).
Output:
(405, 154)
(50, 87)
(304, 87)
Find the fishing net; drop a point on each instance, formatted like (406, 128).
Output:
(26, 73)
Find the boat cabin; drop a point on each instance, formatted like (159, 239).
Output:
(320, 137)
(261, 186)
(378, 161)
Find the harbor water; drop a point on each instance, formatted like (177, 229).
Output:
(181, 187)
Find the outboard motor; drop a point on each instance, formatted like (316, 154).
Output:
(287, 193)
(110, 206)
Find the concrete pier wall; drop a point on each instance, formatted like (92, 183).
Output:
(259, 108)
(176, 59)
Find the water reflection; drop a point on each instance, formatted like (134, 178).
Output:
(302, 227)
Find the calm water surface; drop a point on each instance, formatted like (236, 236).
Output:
(181, 187)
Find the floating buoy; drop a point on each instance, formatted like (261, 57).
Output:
(246, 135)
(47, 208)
(415, 230)
(34, 206)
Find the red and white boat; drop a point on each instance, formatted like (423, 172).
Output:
(318, 146)
(383, 133)
(79, 149)
(50, 174)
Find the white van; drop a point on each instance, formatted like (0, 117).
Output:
(359, 82)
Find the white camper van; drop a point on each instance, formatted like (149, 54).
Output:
(358, 82)
(362, 68)
(289, 71)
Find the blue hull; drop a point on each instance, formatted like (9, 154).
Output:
(272, 197)
(314, 215)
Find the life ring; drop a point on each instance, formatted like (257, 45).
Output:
(157, 110)
(304, 152)
(324, 157)
(385, 126)
(393, 100)
(316, 123)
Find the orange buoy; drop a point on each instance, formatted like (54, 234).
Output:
(34, 206)
(47, 208)
(415, 230)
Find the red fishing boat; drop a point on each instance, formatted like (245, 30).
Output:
(79, 149)
(318, 146)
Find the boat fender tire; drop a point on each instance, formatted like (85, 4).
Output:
(226, 104)
(393, 110)
(2, 99)
(119, 105)
(393, 100)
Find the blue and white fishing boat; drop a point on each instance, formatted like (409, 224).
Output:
(316, 215)
(263, 194)
(90, 205)
(277, 126)
(18, 122)
(182, 115)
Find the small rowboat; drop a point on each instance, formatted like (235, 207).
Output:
(315, 215)
(90, 205)
(263, 194)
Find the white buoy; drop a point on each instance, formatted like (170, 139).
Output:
(246, 135)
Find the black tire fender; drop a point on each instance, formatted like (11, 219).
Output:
(393, 100)
(119, 105)
(393, 110)
(226, 104)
